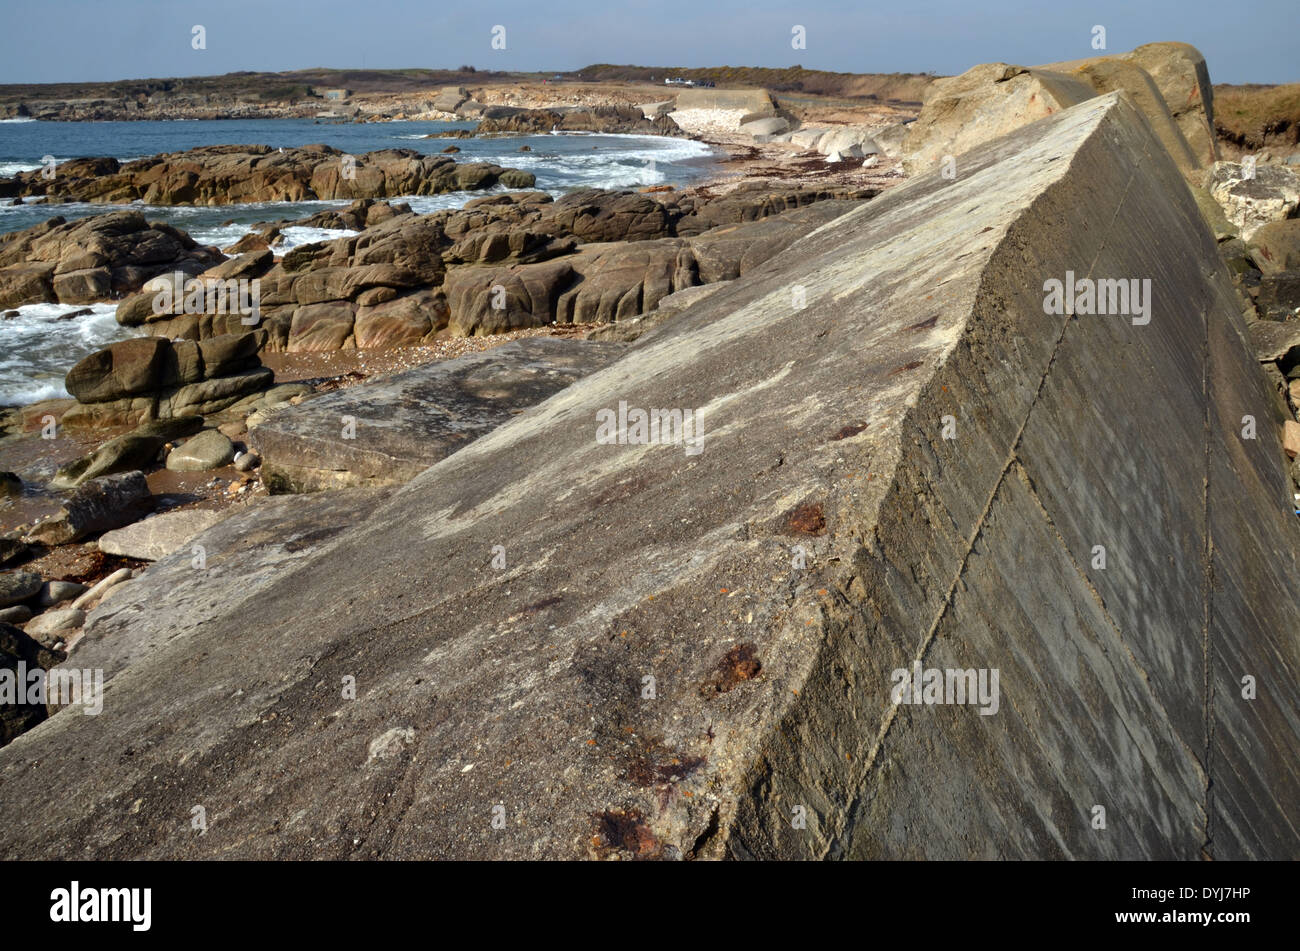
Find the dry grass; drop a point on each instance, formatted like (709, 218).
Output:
(1254, 117)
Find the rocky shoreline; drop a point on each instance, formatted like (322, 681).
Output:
(232, 174)
(823, 370)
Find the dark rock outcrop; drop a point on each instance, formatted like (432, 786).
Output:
(93, 258)
(227, 174)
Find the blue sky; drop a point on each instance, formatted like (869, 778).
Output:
(86, 40)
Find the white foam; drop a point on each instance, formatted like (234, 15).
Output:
(38, 347)
(298, 235)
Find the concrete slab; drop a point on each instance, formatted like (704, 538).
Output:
(652, 653)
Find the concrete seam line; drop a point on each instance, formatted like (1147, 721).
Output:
(1207, 579)
(891, 712)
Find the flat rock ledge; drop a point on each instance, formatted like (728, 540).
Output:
(389, 431)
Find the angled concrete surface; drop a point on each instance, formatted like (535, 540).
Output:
(522, 685)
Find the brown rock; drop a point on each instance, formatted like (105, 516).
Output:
(324, 326)
(1291, 438)
(594, 215)
(121, 369)
(1275, 246)
(222, 174)
(26, 284)
(402, 322)
(488, 300)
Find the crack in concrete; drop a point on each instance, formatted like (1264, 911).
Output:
(1208, 581)
(858, 782)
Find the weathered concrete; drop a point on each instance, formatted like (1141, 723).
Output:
(407, 422)
(243, 554)
(745, 101)
(986, 101)
(522, 684)
(993, 98)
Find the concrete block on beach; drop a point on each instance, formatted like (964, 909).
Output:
(914, 471)
(994, 98)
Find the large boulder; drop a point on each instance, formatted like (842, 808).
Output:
(93, 258)
(321, 327)
(151, 378)
(491, 300)
(402, 321)
(26, 284)
(121, 369)
(624, 281)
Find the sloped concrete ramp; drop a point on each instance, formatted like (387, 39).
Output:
(694, 655)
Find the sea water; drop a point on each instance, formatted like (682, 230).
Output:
(39, 344)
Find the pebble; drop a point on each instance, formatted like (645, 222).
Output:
(56, 592)
(247, 461)
(98, 591)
